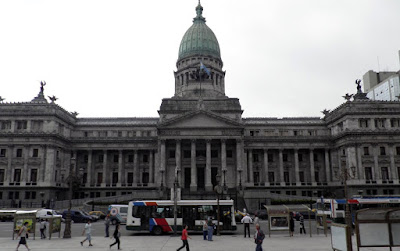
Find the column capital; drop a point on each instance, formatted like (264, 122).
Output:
(120, 151)
(296, 150)
(311, 149)
(178, 141)
(223, 140)
(265, 150)
(105, 151)
(193, 141)
(208, 141)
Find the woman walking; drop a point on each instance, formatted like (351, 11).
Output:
(23, 232)
(116, 236)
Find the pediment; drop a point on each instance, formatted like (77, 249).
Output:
(200, 120)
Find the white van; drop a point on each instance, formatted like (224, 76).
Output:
(45, 213)
(118, 213)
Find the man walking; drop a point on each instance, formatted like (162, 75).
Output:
(42, 229)
(210, 229)
(88, 231)
(107, 225)
(185, 235)
(246, 221)
(259, 238)
(302, 225)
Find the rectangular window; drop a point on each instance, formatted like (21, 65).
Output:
(315, 157)
(398, 150)
(379, 123)
(99, 178)
(35, 153)
(37, 126)
(3, 152)
(301, 175)
(19, 153)
(368, 173)
(130, 178)
(300, 157)
(255, 158)
(201, 153)
(172, 154)
(27, 195)
(145, 178)
(5, 125)
(229, 153)
(316, 173)
(85, 134)
(145, 158)
(33, 195)
(101, 158)
(130, 158)
(285, 157)
(1, 175)
(363, 123)
(270, 157)
(10, 195)
(21, 124)
(271, 176)
(17, 175)
(186, 154)
(33, 175)
(366, 151)
(119, 134)
(384, 173)
(85, 158)
(286, 177)
(382, 150)
(115, 158)
(214, 153)
(395, 122)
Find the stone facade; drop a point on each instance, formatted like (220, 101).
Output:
(199, 133)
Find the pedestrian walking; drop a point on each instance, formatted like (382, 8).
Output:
(107, 225)
(88, 231)
(246, 221)
(116, 235)
(184, 238)
(42, 229)
(302, 228)
(259, 238)
(23, 232)
(291, 225)
(205, 229)
(210, 229)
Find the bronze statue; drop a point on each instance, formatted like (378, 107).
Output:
(325, 111)
(42, 84)
(358, 83)
(347, 97)
(52, 98)
(2, 99)
(74, 113)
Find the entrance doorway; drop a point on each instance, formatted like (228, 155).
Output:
(188, 177)
(200, 177)
(214, 172)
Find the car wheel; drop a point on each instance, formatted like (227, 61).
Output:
(157, 230)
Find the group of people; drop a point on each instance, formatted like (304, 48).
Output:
(116, 235)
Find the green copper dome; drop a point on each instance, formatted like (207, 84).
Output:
(199, 39)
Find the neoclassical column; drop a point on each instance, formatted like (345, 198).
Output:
(239, 167)
(178, 158)
(135, 168)
(208, 183)
(9, 165)
(162, 160)
(281, 176)
(250, 166)
(266, 167)
(327, 166)
(151, 166)
(312, 168)
(375, 173)
(223, 160)
(24, 172)
(393, 169)
(193, 182)
(120, 163)
(50, 164)
(360, 171)
(296, 166)
(104, 167)
(89, 168)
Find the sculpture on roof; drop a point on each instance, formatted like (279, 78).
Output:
(74, 113)
(358, 83)
(52, 98)
(347, 97)
(2, 99)
(325, 111)
(42, 84)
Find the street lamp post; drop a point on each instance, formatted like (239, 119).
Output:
(71, 178)
(218, 189)
(344, 175)
(175, 200)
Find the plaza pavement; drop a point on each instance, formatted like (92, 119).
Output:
(167, 243)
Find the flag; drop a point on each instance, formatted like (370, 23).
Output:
(204, 68)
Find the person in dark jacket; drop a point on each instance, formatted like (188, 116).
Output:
(259, 238)
(302, 225)
(116, 236)
(291, 225)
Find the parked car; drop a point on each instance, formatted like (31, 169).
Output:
(94, 217)
(77, 216)
(45, 213)
(100, 214)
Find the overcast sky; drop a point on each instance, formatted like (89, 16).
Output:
(115, 58)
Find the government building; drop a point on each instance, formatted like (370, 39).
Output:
(200, 137)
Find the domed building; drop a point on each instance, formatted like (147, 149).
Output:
(201, 139)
